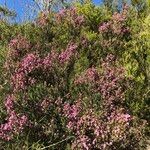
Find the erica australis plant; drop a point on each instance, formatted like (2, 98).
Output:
(111, 126)
(15, 123)
(66, 86)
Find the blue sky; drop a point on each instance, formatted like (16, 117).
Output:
(23, 7)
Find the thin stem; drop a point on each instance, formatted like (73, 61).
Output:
(57, 143)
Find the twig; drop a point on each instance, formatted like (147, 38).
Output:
(58, 142)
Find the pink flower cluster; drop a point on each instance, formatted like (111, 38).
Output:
(77, 20)
(117, 24)
(90, 75)
(110, 82)
(74, 18)
(48, 61)
(95, 132)
(29, 63)
(72, 113)
(22, 76)
(104, 27)
(9, 103)
(20, 80)
(120, 117)
(78, 123)
(66, 55)
(15, 123)
(44, 105)
(87, 131)
(119, 124)
(92, 132)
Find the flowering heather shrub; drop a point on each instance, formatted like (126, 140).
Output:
(20, 78)
(111, 81)
(15, 122)
(23, 79)
(20, 81)
(111, 125)
(65, 85)
(115, 32)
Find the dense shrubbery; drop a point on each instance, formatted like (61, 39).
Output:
(76, 79)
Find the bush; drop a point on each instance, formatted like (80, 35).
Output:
(74, 79)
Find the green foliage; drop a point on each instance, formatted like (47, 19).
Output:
(6, 12)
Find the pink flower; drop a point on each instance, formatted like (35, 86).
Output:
(79, 20)
(18, 81)
(104, 27)
(45, 104)
(91, 74)
(29, 63)
(9, 103)
(66, 55)
(14, 125)
(48, 61)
